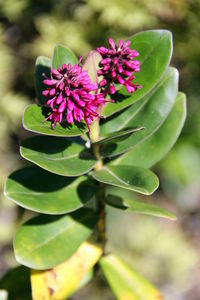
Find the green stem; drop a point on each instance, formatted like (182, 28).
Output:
(94, 136)
(101, 226)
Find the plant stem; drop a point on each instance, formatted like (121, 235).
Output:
(94, 136)
(101, 225)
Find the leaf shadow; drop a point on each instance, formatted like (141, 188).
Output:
(110, 146)
(119, 97)
(48, 144)
(40, 86)
(17, 283)
(84, 216)
(116, 202)
(46, 110)
(87, 189)
(53, 145)
(38, 180)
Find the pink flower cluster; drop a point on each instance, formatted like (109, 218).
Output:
(117, 66)
(69, 95)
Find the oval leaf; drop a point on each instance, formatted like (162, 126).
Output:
(119, 135)
(132, 178)
(44, 192)
(125, 282)
(33, 120)
(59, 156)
(63, 55)
(139, 207)
(155, 49)
(46, 241)
(118, 121)
(151, 116)
(159, 144)
(42, 66)
(61, 281)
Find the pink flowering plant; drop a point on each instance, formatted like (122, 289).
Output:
(103, 122)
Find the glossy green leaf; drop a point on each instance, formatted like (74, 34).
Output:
(41, 191)
(155, 49)
(91, 64)
(151, 116)
(60, 156)
(46, 241)
(132, 178)
(42, 66)
(168, 83)
(33, 120)
(139, 207)
(119, 135)
(118, 122)
(125, 282)
(63, 55)
(159, 144)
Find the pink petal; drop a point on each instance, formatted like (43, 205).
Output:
(105, 61)
(111, 43)
(120, 44)
(112, 89)
(62, 107)
(102, 82)
(59, 99)
(120, 79)
(50, 81)
(69, 117)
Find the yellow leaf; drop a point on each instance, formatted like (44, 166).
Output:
(61, 281)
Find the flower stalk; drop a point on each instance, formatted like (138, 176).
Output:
(100, 197)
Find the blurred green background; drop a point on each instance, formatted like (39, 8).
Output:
(166, 252)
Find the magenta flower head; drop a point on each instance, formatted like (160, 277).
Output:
(69, 95)
(117, 66)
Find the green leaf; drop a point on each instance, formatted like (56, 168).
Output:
(119, 135)
(44, 192)
(33, 120)
(155, 49)
(92, 64)
(42, 66)
(46, 241)
(132, 178)
(117, 122)
(139, 207)
(60, 156)
(125, 282)
(151, 116)
(17, 283)
(63, 55)
(159, 144)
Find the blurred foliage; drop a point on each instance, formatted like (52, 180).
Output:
(160, 238)
(158, 249)
(29, 28)
(17, 283)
